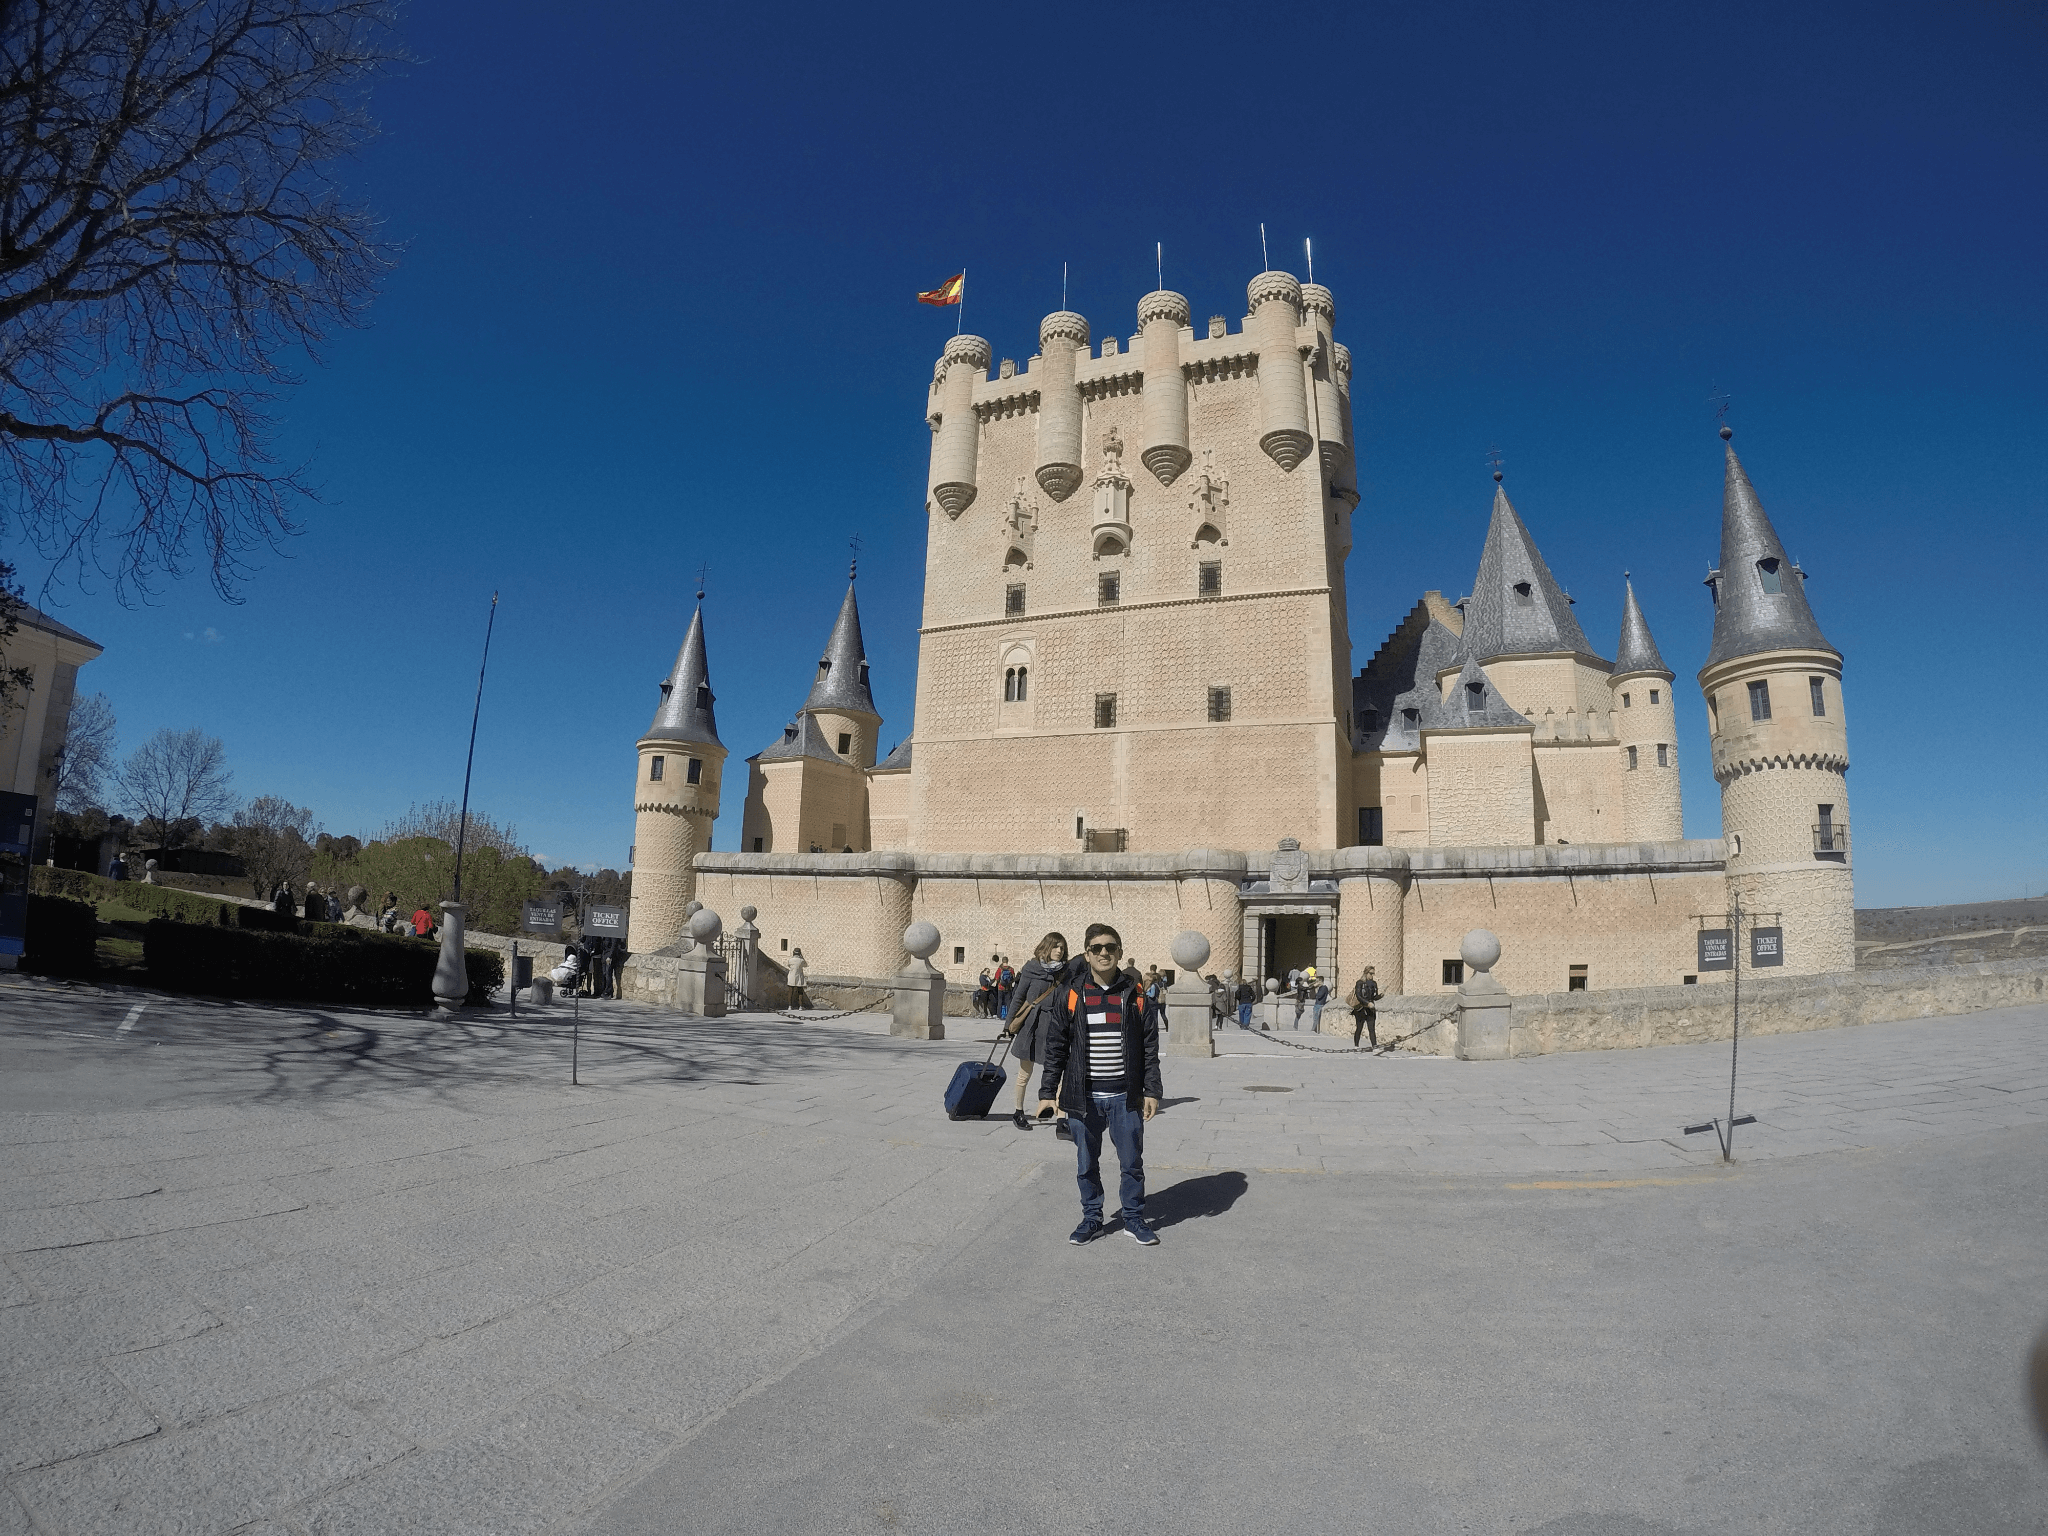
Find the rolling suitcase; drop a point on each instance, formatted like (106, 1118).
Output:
(975, 1085)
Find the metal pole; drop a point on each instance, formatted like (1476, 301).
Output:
(462, 827)
(575, 1048)
(512, 981)
(1735, 1033)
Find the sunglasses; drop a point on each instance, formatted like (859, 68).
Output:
(1105, 949)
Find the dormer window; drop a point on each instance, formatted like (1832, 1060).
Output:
(824, 667)
(1411, 718)
(1767, 572)
(703, 695)
(1475, 695)
(1372, 720)
(1525, 595)
(788, 734)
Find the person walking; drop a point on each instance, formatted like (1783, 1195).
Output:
(1043, 973)
(1102, 1068)
(798, 999)
(281, 900)
(422, 922)
(1300, 997)
(1006, 985)
(1317, 997)
(1363, 1014)
(1247, 994)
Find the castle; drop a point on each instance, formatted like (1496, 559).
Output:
(1134, 702)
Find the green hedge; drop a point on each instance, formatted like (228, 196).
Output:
(61, 936)
(337, 964)
(155, 900)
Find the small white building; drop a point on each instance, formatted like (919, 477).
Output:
(32, 733)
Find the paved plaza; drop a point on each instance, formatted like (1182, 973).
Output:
(307, 1271)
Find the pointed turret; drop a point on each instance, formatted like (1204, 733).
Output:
(1516, 607)
(685, 712)
(1637, 651)
(842, 683)
(1759, 595)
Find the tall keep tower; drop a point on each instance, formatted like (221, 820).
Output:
(675, 799)
(1781, 751)
(1134, 632)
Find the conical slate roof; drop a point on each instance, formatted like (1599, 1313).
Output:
(1637, 651)
(685, 710)
(1473, 703)
(843, 670)
(802, 737)
(1516, 607)
(1749, 618)
(897, 758)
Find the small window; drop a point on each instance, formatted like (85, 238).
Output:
(1219, 703)
(1625, 701)
(1454, 973)
(1372, 720)
(959, 954)
(757, 849)
(1767, 572)
(1009, 685)
(845, 743)
(693, 772)
(1013, 598)
(1654, 695)
(1372, 830)
(654, 768)
(1663, 754)
(1525, 596)
(1209, 579)
(703, 695)
(1759, 701)
(1690, 981)
(1080, 825)
(1107, 587)
(1631, 759)
(1818, 690)
(1575, 979)
(1411, 718)
(785, 942)
(1023, 683)
(824, 668)
(1475, 695)
(1105, 711)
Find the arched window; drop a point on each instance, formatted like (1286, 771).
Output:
(1023, 683)
(1009, 685)
(1767, 570)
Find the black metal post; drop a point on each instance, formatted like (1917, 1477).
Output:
(1735, 1031)
(462, 827)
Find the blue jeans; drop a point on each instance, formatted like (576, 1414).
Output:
(1126, 1127)
(1244, 1015)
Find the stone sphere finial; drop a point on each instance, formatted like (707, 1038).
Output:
(1481, 949)
(1190, 950)
(691, 909)
(748, 914)
(1272, 984)
(921, 940)
(706, 926)
(1727, 433)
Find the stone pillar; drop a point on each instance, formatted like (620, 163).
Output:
(918, 1011)
(700, 974)
(747, 940)
(958, 444)
(1164, 450)
(1283, 392)
(1277, 1012)
(1061, 337)
(1187, 1001)
(1483, 1003)
(451, 971)
(1372, 894)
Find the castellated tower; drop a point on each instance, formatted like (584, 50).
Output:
(1646, 732)
(675, 799)
(1134, 634)
(1773, 686)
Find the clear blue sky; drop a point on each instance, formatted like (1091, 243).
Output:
(655, 311)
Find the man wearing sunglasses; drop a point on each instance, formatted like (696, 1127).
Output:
(1102, 1072)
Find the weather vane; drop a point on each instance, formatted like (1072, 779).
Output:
(702, 571)
(853, 565)
(1493, 457)
(1720, 400)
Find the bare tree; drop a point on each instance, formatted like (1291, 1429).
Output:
(443, 818)
(177, 776)
(171, 238)
(15, 682)
(86, 764)
(274, 840)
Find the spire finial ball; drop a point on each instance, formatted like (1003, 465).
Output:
(1727, 433)
(1496, 477)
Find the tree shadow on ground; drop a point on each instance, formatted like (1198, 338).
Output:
(1210, 1194)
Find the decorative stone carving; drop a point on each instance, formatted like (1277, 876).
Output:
(1289, 869)
(1111, 534)
(1020, 528)
(1210, 501)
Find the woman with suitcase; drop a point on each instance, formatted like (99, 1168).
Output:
(1044, 971)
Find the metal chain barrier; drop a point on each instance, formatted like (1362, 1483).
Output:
(809, 1017)
(1338, 1050)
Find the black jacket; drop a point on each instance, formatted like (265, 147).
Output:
(1365, 994)
(1065, 1079)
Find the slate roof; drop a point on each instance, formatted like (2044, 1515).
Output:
(1401, 680)
(35, 618)
(843, 670)
(802, 737)
(1516, 607)
(1749, 620)
(1459, 713)
(685, 712)
(1637, 651)
(899, 757)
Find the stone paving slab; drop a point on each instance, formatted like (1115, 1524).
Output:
(342, 1271)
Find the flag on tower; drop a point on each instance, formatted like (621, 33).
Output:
(948, 292)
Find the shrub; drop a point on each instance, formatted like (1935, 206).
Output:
(265, 920)
(336, 965)
(156, 900)
(61, 936)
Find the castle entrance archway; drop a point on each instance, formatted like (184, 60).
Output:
(1289, 944)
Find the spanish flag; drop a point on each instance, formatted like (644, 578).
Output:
(948, 292)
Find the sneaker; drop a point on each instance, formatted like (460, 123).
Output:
(1086, 1231)
(1140, 1233)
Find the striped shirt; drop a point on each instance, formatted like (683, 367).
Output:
(1102, 1016)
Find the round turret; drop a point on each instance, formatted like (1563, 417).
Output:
(1161, 316)
(1283, 392)
(954, 449)
(1062, 336)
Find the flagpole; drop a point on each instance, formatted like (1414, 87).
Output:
(1268, 260)
(960, 319)
(1308, 246)
(1159, 259)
